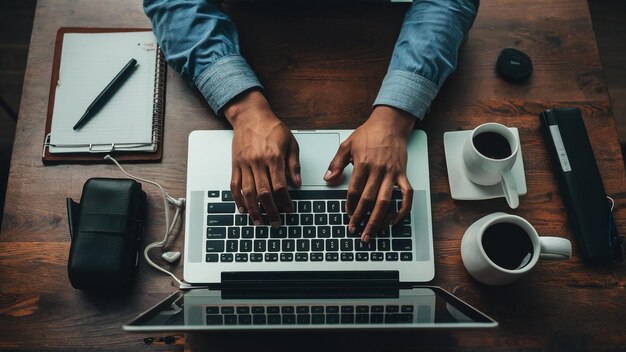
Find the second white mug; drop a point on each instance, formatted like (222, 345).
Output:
(499, 248)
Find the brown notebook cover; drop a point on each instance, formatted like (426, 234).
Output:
(158, 108)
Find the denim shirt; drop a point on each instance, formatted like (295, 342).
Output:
(201, 43)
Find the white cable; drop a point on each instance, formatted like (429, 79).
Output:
(167, 199)
(612, 202)
(162, 244)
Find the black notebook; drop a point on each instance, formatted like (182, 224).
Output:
(589, 210)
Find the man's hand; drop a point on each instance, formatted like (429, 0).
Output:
(261, 146)
(377, 149)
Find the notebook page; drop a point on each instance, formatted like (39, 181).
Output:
(89, 61)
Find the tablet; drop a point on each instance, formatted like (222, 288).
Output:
(423, 307)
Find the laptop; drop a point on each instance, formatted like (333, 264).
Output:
(311, 272)
(314, 239)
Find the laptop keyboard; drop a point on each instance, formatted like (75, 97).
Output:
(311, 315)
(317, 231)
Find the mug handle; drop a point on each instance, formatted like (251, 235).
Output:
(510, 188)
(555, 248)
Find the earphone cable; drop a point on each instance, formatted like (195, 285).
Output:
(167, 200)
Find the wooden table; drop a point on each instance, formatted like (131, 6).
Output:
(322, 67)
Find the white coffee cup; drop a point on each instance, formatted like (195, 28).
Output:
(483, 165)
(499, 248)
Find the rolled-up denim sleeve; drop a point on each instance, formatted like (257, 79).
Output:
(201, 43)
(425, 53)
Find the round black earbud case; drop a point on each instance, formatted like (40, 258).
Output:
(514, 65)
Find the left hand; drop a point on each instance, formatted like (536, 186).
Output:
(377, 149)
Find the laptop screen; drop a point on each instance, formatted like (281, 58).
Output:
(417, 307)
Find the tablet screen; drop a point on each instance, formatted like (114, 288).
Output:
(413, 308)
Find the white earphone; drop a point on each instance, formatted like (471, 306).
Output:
(170, 257)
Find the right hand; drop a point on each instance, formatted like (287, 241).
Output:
(264, 153)
(378, 151)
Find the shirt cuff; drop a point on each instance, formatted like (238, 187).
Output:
(407, 91)
(224, 80)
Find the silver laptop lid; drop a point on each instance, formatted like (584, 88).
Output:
(209, 169)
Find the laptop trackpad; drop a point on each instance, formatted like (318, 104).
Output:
(316, 152)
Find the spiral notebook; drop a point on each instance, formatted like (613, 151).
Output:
(130, 124)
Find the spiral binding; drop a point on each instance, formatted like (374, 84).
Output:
(158, 107)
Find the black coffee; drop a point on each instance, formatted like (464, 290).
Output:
(508, 246)
(492, 145)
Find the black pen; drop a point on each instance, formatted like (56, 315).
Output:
(107, 93)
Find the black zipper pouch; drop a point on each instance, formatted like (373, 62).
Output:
(105, 229)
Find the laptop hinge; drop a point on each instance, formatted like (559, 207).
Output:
(307, 284)
(310, 279)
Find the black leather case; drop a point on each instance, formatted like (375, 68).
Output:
(588, 209)
(105, 229)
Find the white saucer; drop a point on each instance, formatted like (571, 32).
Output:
(462, 188)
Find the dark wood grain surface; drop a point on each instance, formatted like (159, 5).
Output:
(322, 67)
